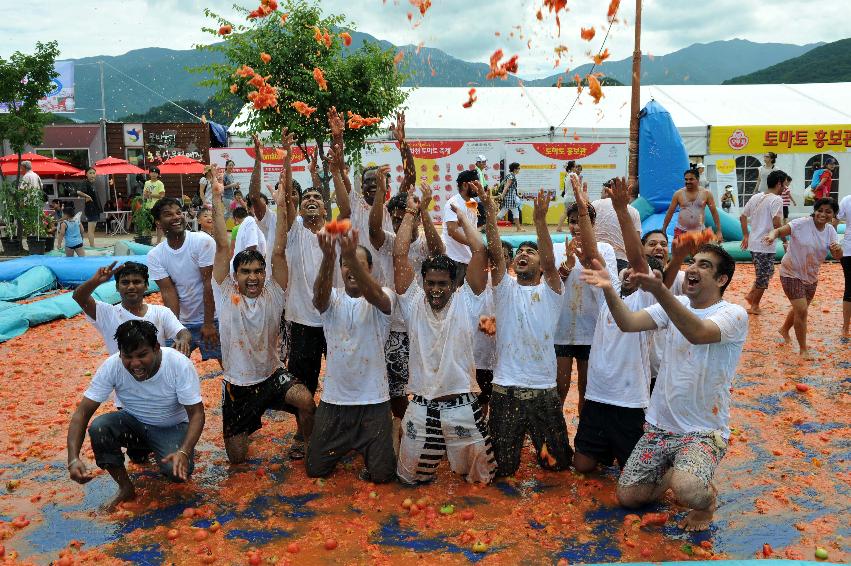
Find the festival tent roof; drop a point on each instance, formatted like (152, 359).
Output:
(520, 113)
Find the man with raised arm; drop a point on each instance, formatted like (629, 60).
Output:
(687, 426)
(182, 267)
(444, 417)
(131, 282)
(397, 348)
(354, 411)
(618, 389)
(525, 399)
(162, 410)
(249, 309)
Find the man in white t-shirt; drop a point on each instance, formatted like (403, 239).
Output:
(249, 308)
(688, 419)
(182, 267)
(765, 212)
(131, 282)
(580, 302)
(457, 245)
(444, 417)
(162, 410)
(354, 411)
(397, 348)
(606, 226)
(524, 397)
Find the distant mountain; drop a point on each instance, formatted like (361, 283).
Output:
(128, 77)
(830, 63)
(701, 63)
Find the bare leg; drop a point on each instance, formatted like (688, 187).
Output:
(799, 310)
(584, 464)
(582, 370)
(561, 221)
(640, 494)
(236, 448)
(301, 398)
(755, 298)
(125, 487)
(91, 233)
(564, 366)
(787, 326)
(846, 317)
(690, 492)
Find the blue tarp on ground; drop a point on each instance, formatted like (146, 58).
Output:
(69, 271)
(31, 282)
(662, 156)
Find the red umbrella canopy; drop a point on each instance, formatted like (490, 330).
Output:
(44, 168)
(13, 158)
(181, 165)
(115, 166)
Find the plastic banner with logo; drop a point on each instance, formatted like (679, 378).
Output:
(437, 163)
(753, 140)
(60, 98)
(542, 165)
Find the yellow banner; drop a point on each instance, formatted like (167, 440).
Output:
(753, 140)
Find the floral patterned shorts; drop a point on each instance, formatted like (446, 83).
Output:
(697, 453)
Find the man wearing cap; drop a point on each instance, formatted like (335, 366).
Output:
(704, 182)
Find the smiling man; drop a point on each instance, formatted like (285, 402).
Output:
(182, 266)
(444, 417)
(250, 309)
(162, 410)
(687, 426)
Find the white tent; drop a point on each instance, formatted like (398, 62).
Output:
(519, 113)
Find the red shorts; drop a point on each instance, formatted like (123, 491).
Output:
(797, 289)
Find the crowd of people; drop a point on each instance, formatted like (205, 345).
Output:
(441, 345)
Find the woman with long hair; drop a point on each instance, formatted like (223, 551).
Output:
(811, 238)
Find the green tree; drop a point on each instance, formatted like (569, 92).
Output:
(24, 80)
(365, 81)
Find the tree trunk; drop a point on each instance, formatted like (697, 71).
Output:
(325, 189)
(635, 100)
(19, 228)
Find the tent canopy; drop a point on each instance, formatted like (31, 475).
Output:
(522, 113)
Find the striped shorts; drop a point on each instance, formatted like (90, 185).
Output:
(454, 428)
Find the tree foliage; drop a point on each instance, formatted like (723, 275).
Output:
(365, 81)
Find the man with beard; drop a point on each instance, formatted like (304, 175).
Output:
(444, 417)
(250, 308)
(182, 267)
(687, 426)
(458, 247)
(525, 398)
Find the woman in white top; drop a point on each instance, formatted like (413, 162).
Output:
(205, 185)
(768, 160)
(845, 214)
(811, 238)
(572, 174)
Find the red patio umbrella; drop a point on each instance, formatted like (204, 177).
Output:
(13, 157)
(115, 166)
(181, 165)
(44, 168)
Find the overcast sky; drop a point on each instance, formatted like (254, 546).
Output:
(462, 28)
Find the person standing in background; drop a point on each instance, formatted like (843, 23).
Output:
(727, 199)
(570, 168)
(769, 160)
(153, 191)
(205, 186)
(231, 185)
(787, 197)
(825, 183)
(92, 207)
(845, 215)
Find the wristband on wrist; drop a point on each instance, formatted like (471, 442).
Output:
(413, 211)
(182, 451)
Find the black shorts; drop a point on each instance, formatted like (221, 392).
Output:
(77, 247)
(608, 432)
(243, 405)
(785, 211)
(578, 351)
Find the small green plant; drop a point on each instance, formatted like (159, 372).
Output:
(143, 220)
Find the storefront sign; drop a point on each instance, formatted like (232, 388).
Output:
(779, 139)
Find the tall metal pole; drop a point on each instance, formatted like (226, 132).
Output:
(636, 99)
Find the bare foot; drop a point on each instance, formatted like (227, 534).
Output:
(120, 497)
(807, 355)
(754, 310)
(697, 520)
(785, 335)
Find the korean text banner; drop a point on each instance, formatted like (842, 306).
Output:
(779, 139)
(271, 163)
(437, 163)
(542, 165)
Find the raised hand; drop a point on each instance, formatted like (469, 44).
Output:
(398, 128)
(336, 123)
(648, 281)
(104, 274)
(258, 145)
(414, 203)
(326, 243)
(597, 275)
(483, 194)
(541, 206)
(425, 199)
(218, 187)
(620, 193)
(349, 243)
(578, 193)
(287, 139)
